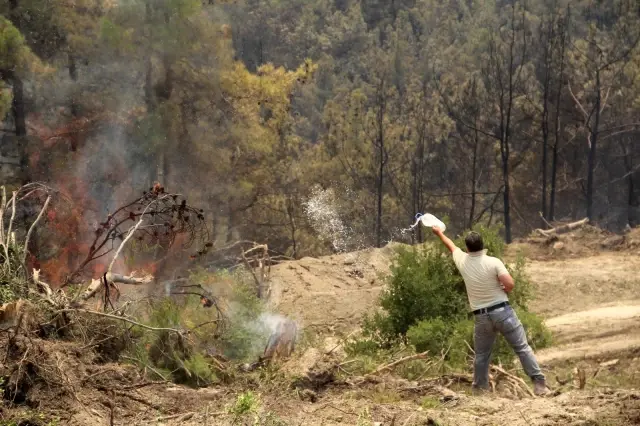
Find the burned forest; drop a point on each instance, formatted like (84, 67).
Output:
(206, 210)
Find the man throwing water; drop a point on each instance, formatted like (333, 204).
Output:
(487, 282)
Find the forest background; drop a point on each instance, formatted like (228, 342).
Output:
(260, 111)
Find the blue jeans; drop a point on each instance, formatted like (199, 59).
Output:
(505, 321)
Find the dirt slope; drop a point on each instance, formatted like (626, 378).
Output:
(330, 293)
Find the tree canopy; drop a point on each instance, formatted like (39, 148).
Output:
(512, 113)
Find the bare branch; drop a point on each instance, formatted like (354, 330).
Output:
(125, 319)
(126, 239)
(33, 225)
(604, 101)
(113, 279)
(564, 228)
(584, 112)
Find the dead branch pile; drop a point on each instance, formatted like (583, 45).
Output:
(58, 349)
(155, 218)
(64, 378)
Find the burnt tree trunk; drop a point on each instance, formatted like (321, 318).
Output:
(554, 179)
(545, 144)
(593, 144)
(418, 180)
(17, 105)
(474, 177)
(381, 158)
(562, 33)
(73, 74)
(507, 192)
(633, 201)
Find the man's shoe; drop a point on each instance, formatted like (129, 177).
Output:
(540, 388)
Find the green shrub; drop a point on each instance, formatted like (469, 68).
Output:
(450, 339)
(201, 372)
(354, 347)
(243, 329)
(423, 284)
(426, 305)
(493, 242)
(431, 335)
(246, 403)
(523, 290)
(414, 369)
(13, 283)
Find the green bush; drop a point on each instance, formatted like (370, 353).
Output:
(354, 347)
(423, 284)
(431, 335)
(523, 290)
(13, 283)
(425, 304)
(442, 338)
(243, 329)
(493, 242)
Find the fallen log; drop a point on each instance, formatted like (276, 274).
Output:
(111, 278)
(562, 229)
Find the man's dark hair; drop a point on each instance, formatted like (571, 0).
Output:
(474, 242)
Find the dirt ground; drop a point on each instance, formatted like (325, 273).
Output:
(587, 289)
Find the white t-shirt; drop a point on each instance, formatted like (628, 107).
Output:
(480, 273)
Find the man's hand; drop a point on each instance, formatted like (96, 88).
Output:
(436, 230)
(506, 282)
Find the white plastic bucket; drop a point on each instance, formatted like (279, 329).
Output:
(430, 221)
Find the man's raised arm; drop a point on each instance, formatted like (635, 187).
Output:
(445, 240)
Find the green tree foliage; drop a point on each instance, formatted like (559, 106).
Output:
(448, 107)
(16, 59)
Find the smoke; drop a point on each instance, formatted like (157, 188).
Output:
(250, 327)
(101, 156)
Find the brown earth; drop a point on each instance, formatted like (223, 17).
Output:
(587, 289)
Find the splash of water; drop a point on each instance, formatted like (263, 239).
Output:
(322, 211)
(427, 220)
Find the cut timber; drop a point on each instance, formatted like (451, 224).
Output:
(562, 229)
(111, 279)
(11, 314)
